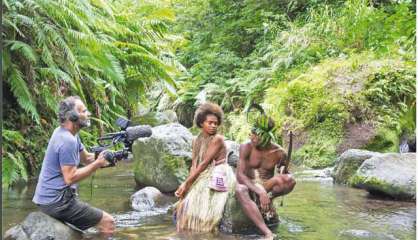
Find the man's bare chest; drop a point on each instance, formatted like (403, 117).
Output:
(265, 160)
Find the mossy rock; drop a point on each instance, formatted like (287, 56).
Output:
(392, 174)
(348, 163)
(163, 160)
(234, 219)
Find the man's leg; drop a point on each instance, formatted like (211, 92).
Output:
(280, 185)
(251, 209)
(106, 224)
(80, 214)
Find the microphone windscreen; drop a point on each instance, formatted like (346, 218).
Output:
(139, 131)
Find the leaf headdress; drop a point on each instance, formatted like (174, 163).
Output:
(262, 125)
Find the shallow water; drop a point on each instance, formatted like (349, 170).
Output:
(316, 209)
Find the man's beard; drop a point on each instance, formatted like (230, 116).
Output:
(84, 123)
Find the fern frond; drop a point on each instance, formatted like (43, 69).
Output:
(24, 49)
(21, 92)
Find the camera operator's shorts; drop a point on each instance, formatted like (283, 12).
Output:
(71, 210)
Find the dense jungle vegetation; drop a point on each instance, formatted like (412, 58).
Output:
(330, 71)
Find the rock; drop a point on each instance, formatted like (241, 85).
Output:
(39, 226)
(234, 219)
(156, 118)
(163, 160)
(348, 163)
(150, 199)
(363, 234)
(185, 113)
(16, 233)
(232, 152)
(145, 199)
(392, 174)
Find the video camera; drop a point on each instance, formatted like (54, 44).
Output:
(127, 136)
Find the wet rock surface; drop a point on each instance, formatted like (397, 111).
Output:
(39, 226)
(163, 160)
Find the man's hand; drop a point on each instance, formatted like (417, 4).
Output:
(72, 174)
(101, 161)
(264, 200)
(182, 190)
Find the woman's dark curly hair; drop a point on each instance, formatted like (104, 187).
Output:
(206, 109)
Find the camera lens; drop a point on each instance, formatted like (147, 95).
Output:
(109, 156)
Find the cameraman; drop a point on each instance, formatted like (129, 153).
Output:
(55, 192)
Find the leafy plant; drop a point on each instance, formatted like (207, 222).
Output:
(108, 53)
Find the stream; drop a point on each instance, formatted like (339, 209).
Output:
(316, 209)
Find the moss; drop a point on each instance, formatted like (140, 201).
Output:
(374, 184)
(347, 171)
(386, 140)
(178, 166)
(322, 99)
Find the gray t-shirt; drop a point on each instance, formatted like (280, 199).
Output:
(63, 150)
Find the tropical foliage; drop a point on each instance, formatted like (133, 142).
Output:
(311, 64)
(108, 53)
(315, 67)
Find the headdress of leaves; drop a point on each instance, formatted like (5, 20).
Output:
(260, 124)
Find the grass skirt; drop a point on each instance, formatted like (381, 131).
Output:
(202, 208)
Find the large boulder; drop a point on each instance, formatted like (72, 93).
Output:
(234, 219)
(163, 160)
(39, 226)
(392, 174)
(348, 163)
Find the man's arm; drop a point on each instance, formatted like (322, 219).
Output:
(86, 158)
(72, 174)
(242, 178)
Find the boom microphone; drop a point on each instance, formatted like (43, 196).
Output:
(130, 134)
(140, 131)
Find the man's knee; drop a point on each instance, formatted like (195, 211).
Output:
(107, 223)
(285, 181)
(291, 182)
(241, 191)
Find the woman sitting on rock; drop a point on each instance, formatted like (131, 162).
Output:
(204, 193)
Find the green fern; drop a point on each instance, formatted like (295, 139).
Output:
(21, 91)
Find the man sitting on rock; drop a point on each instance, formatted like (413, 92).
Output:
(55, 192)
(257, 185)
